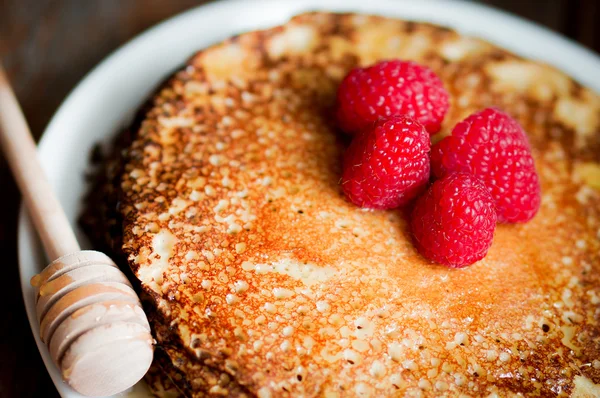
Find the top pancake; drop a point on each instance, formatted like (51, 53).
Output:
(235, 225)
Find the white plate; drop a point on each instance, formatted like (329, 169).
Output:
(104, 101)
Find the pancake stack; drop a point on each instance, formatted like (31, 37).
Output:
(261, 279)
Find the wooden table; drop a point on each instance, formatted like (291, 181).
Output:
(48, 46)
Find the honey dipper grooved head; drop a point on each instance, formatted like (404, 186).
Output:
(108, 359)
(93, 323)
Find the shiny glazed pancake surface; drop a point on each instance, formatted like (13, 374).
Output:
(263, 280)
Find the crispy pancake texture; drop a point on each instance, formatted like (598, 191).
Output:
(264, 281)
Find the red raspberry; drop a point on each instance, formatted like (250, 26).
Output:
(388, 165)
(453, 223)
(492, 145)
(391, 88)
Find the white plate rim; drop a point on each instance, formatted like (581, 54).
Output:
(508, 31)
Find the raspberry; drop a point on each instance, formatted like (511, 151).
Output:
(391, 88)
(492, 145)
(387, 165)
(453, 223)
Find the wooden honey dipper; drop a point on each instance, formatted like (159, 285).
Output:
(90, 317)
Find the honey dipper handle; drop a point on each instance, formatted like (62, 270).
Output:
(20, 151)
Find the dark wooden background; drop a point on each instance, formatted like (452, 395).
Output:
(47, 46)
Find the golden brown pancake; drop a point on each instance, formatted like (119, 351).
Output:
(265, 281)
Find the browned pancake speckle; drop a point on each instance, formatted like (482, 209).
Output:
(265, 281)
